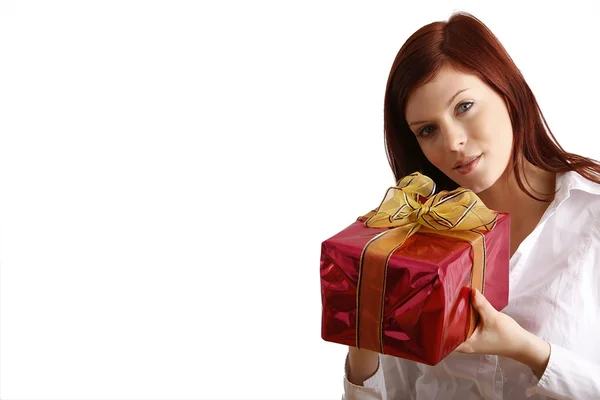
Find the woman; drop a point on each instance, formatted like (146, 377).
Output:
(458, 110)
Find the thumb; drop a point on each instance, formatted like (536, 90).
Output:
(482, 305)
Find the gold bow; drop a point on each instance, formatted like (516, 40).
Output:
(406, 208)
(459, 209)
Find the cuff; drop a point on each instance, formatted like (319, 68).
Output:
(547, 376)
(567, 376)
(372, 388)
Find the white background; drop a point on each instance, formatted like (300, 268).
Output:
(169, 170)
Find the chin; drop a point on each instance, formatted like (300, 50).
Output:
(475, 182)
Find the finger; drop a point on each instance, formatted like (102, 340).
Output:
(482, 305)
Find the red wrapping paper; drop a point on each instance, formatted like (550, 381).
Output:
(427, 303)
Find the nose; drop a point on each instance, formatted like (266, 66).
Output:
(455, 137)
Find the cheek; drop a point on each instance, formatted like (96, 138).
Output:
(494, 128)
(435, 154)
(481, 130)
(498, 138)
(484, 136)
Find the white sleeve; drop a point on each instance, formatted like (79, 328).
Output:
(394, 379)
(372, 389)
(568, 376)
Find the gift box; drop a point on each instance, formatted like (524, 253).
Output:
(398, 280)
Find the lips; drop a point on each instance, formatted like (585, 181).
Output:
(464, 161)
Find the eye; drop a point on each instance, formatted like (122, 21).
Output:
(466, 103)
(428, 130)
(424, 132)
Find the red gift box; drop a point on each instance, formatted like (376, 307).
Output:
(412, 299)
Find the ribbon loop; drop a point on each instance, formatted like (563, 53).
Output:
(459, 209)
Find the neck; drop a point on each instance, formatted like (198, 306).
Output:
(506, 195)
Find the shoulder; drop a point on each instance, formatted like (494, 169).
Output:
(576, 222)
(575, 193)
(570, 226)
(575, 181)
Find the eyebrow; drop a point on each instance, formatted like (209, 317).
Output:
(449, 102)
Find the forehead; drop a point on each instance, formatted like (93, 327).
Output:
(441, 88)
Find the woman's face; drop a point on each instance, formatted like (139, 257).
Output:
(463, 128)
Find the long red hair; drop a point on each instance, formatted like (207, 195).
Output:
(465, 43)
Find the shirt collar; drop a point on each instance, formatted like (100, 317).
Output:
(571, 180)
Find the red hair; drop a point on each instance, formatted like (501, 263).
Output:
(466, 44)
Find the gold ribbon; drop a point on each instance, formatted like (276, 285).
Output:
(408, 207)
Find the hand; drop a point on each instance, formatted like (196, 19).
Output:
(496, 332)
(499, 334)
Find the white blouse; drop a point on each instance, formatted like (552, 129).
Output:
(554, 293)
